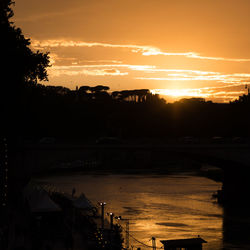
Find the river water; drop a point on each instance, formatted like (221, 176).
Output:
(162, 206)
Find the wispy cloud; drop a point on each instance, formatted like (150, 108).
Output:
(195, 75)
(96, 69)
(156, 74)
(100, 61)
(53, 43)
(144, 50)
(90, 72)
(55, 59)
(130, 66)
(195, 55)
(156, 51)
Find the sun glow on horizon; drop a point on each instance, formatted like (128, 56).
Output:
(218, 94)
(181, 92)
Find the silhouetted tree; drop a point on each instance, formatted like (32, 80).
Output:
(244, 99)
(142, 94)
(136, 95)
(83, 93)
(99, 88)
(115, 94)
(191, 101)
(19, 64)
(84, 89)
(124, 95)
(99, 92)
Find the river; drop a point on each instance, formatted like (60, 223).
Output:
(162, 206)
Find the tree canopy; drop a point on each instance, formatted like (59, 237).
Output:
(19, 64)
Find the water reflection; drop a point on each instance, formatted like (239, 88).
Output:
(167, 207)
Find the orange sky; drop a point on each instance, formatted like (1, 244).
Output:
(176, 47)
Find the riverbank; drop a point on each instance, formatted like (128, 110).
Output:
(45, 219)
(195, 169)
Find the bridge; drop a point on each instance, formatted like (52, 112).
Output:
(234, 159)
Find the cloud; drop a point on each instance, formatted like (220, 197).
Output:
(144, 50)
(100, 61)
(221, 93)
(90, 72)
(130, 66)
(55, 59)
(196, 75)
(155, 73)
(53, 43)
(95, 69)
(113, 72)
(156, 51)
(218, 58)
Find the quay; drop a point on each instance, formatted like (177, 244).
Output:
(45, 219)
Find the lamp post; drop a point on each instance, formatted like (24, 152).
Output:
(111, 215)
(102, 204)
(153, 243)
(127, 229)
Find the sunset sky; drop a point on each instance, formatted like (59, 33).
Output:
(175, 47)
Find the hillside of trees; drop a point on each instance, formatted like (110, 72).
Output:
(88, 113)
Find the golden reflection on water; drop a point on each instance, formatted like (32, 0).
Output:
(166, 207)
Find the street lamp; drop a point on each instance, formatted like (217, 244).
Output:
(127, 229)
(111, 220)
(102, 204)
(153, 243)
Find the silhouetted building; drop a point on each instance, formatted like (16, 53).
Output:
(186, 244)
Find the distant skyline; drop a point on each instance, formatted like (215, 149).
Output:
(177, 48)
